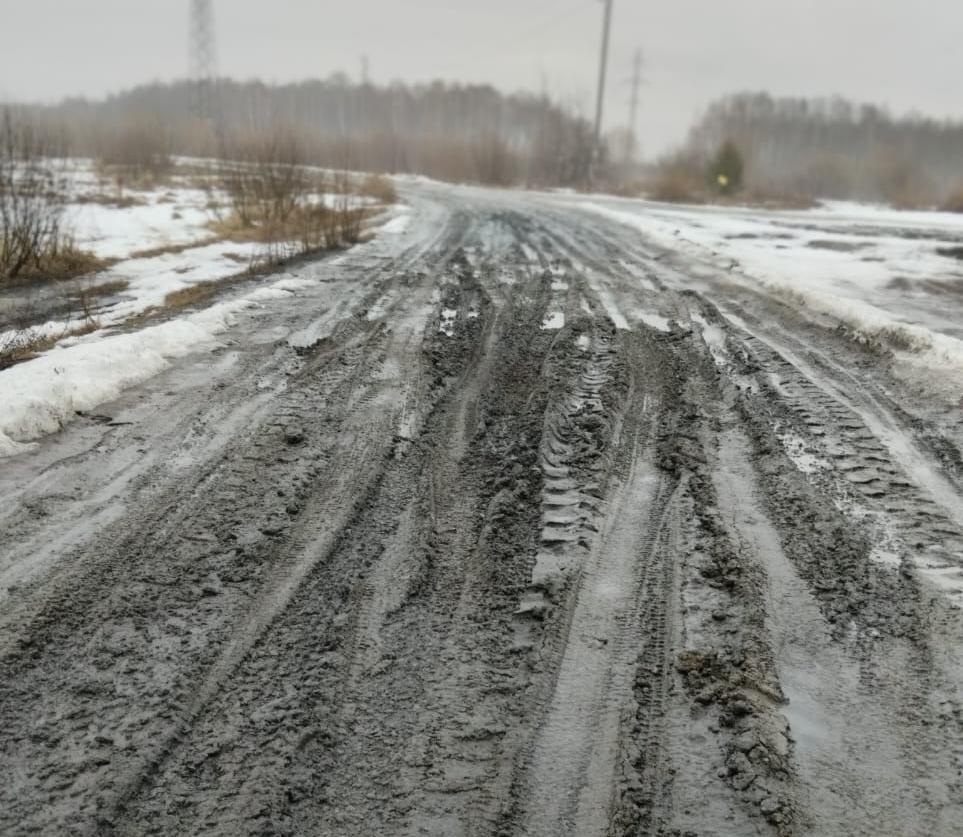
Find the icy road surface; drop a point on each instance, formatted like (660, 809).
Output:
(537, 515)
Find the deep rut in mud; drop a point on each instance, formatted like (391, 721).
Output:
(520, 535)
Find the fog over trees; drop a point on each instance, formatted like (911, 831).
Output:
(455, 132)
(833, 148)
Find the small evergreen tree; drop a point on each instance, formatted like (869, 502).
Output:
(727, 169)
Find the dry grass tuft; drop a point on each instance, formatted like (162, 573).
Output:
(111, 288)
(677, 184)
(118, 200)
(191, 296)
(171, 249)
(65, 261)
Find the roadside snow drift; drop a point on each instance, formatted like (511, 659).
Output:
(41, 395)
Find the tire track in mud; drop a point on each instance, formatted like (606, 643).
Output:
(439, 540)
(880, 599)
(568, 782)
(367, 435)
(845, 441)
(478, 570)
(213, 547)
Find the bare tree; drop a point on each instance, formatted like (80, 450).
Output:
(448, 131)
(835, 148)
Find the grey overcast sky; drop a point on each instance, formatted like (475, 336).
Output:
(907, 55)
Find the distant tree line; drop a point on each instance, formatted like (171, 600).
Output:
(455, 132)
(832, 148)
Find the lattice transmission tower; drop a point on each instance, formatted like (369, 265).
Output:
(203, 59)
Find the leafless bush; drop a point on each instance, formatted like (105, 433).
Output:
(276, 199)
(137, 154)
(380, 188)
(264, 177)
(191, 296)
(678, 180)
(320, 227)
(31, 200)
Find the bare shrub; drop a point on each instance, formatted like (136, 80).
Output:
(678, 180)
(264, 177)
(109, 288)
(137, 154)
(33, 235)
(276, 199)
(190, 296)
(380, 188)
(348, 216)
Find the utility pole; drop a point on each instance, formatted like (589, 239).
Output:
(600, 100)
(634, 106)
(203, 58)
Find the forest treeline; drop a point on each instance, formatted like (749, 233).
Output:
(830, 148)
(452, 132)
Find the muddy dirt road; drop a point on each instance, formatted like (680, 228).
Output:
(513, 524)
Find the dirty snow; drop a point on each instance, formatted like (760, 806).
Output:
(612, 308)
(165, 217)
(41, 395)
(447, 325)
(801, 457)
(879, 271)
(653, 320)
(714, 338)
(81, 372)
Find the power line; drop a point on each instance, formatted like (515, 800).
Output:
(526, 35)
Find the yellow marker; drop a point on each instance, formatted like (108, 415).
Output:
(723, 180)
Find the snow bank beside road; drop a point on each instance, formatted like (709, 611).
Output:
(869, 268)
(39, 397)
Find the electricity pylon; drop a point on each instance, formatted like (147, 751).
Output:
(203, 58)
